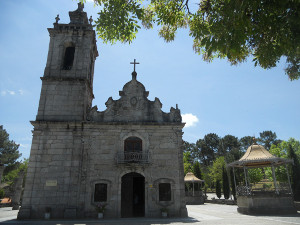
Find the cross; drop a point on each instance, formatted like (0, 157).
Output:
(134, 64)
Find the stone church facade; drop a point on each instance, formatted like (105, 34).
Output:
(129, 156)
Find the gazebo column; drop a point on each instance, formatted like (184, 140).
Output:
(246, 179)
(288, 176)
(193, 189)
(274, 179)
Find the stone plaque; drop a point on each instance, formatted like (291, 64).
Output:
(51, 183)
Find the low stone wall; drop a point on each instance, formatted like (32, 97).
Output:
(265, 205)
(3, 205)
(194, 200)
(297, 205)
(221, 201)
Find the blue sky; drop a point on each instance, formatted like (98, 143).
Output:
(213, 97)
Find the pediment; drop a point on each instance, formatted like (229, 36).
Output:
(134, 106)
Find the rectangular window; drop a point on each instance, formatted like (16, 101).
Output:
(100, 194)
(164, 192)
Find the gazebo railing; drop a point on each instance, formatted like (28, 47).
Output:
(133, 157)
(243, 190)
(253, 190)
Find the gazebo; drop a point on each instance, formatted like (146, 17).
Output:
(255, 201)
(192, 196)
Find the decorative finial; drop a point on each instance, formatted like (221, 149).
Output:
(91, 20)
(57, 18)
(134, 73)
(80, 7)
(254, 141)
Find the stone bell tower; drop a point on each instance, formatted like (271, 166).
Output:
(55, 170)
(67, 84)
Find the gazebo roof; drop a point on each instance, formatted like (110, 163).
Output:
(190, 177)
(257, 156)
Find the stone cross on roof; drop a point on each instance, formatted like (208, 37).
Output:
(134, 62)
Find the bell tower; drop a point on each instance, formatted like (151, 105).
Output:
(67, 84)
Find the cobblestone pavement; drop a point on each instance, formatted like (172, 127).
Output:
(208, 214)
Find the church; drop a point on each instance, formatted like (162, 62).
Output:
(128, 157)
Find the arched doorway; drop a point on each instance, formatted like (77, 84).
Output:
(133, 195)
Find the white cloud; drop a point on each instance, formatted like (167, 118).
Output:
(24, 145)
(11, 92)
(189, 119)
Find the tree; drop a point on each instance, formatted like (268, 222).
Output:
(267, 139)
(245, 142)
(226, 188)
(190, 147)
(187, 162)
(9, 152)
(208, 148)
(218, 189)
(217, 168)
(230, 146)
(233, 191)
(197, 170)
(11, 175)
(266, 30)
(295, 173)
(281, 150)
(255, 175)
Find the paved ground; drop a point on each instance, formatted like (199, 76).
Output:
(208, 214)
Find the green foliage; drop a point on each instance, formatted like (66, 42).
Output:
(267, 139)
(197, 170)
(191, 148)
(255, 175)
(2, 193)
(208, 179)
(295, 173)
(266, 30)
(281, 150)
(217, 168)
(218, 189)
(187, 162)
(245, 142)
(225, 182)
(208, 148)
(212, 152)
(9, 152)
(11, 175)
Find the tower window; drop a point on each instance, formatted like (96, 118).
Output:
(100, 194)
(69, 58)
(164, 191)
